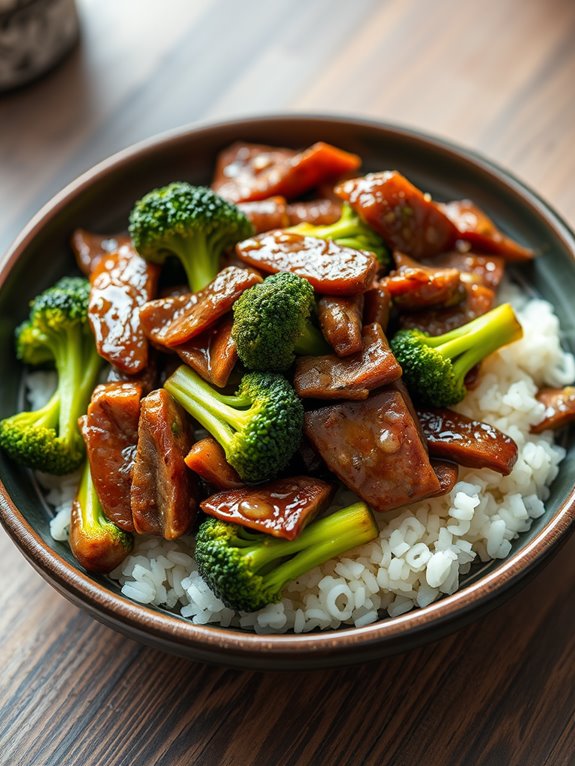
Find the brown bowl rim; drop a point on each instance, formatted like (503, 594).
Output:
(221, 644)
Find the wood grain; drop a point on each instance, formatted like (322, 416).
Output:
(497, 77)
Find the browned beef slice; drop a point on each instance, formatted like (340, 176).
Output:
(89, 248)
(375, 448)
(353, 377)
(175, 320)
(121, 283)
(340, 318)
(468, 442)
(559, 408)
(110, 431)
(330, 268)
(280, 508)
(164, 491)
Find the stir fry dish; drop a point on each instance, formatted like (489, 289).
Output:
(244, 353)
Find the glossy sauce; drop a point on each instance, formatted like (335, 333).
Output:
(121, 283)
(377, 305)
(447, 474)
(340, 319)
(176, 320)
(373, 446)
(353, 377)
(319, 212)
(246, 172)
(213, 354)
(208, 460)
(478, 300)
(559, 408)
(487, 270)
(401, 214)
(280, 508)
(467, 442)
(164, 491)
(414, 286)
(331, 269)
(480, 233)
(110, 432)
(89, 248)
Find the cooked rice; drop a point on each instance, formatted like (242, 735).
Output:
(422, 550)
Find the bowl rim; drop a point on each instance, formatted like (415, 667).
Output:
(215, 641)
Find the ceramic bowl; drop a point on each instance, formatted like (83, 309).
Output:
(101, 199)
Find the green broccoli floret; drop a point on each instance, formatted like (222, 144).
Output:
(190, 222)
(272, 323)
(434, 367)
(349, 231)
(259, 428)
(58, 331)
(248, 570)
(97, 543)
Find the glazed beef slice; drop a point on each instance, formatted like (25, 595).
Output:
(375, 448)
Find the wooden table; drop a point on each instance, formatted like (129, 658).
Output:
(496, 76)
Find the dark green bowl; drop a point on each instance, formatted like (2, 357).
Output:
(101, 199)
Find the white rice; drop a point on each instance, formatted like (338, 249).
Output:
(422, 550)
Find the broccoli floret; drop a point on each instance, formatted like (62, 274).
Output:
(259, 428)
(58, 331)
(248, 570)
(349, 231)
(272, 323)
(190, 222)
(97, 543)
(434, 367)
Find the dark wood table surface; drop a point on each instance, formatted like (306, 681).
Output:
(498, 77)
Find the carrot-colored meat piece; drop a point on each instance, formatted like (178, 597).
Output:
(375, 449)
(110, 432)
(353, 377)
(89, 248)
(487, 270)
(176, 320)
(121, 283)
(451, 436)
(559, 408)
(266, 214)
(213, 354)
(330, 268)
(320, 212)
(483, 236)
(478, 300)
(414, 286)
(208, 459)
(280, 508)
(164, 491)
(400, 213)
(340, 319)
(246, 172)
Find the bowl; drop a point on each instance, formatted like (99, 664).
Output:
(101, 199)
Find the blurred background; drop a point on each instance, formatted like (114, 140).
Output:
(496, 76)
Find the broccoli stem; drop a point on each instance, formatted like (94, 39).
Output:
(311, 342)
(321, 541)
(46, 416)
(346, 226)
(469, 344)
(196, 258)
(216, 412)
(70, 373)
(92, 514)
(92, 365)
